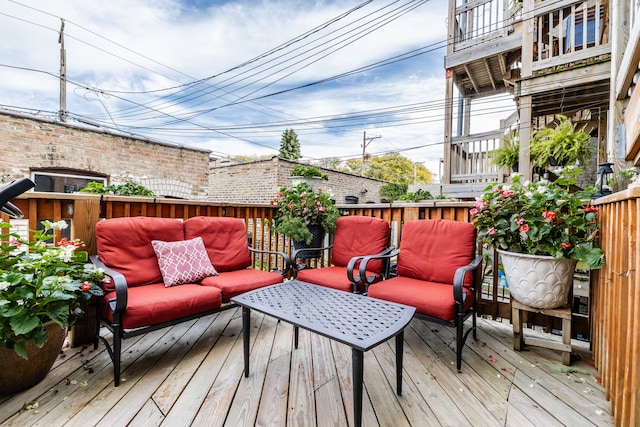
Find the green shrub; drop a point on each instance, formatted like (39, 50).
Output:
(127, 189)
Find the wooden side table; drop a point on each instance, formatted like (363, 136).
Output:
(519, 339)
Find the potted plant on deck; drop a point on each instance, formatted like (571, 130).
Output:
(541, 230)
(41, 287)
(310, 175)
(305, 215)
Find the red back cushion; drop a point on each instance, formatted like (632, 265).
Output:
(433, 249)
(359, 235)
(225, 239)
(124, 244)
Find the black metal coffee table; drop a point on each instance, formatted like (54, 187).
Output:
(355, 320)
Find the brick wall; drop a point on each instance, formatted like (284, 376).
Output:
(30, 145)
(259, 182)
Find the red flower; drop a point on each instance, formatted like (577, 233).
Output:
(590, 209)
(85, 286)
(66, 242)
(524, 228)
(549, 215)
(565, 245)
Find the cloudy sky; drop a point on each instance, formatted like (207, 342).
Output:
(231, 76)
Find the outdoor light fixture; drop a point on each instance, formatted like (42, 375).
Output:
(604, 173)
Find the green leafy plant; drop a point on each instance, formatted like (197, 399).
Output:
(563, 144)
(299, 207)
(308, 172)
(419, 194)
(508, 155)
(540, 218)
(393, 191)
(41, 282)
(127, 189)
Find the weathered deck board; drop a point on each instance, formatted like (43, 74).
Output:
(192, 374)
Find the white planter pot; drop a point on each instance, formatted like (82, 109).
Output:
(538, 281)
(313, 182)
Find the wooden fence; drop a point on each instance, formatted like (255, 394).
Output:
(616, 305)
(615, 289)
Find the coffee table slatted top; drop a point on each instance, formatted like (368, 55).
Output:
(356, 320)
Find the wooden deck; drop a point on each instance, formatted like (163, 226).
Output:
(192, 374)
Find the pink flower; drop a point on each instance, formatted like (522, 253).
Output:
(549, 215)
(520, 221)
(491, 231)
(496, 190)
(473, 211)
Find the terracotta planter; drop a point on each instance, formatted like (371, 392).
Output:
(17, 374)
(538, 281)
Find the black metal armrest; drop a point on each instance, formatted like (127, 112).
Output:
(458, 277)
(295, 253)
(119, 303)
(288, 262)
(363, 266)
(353, 261)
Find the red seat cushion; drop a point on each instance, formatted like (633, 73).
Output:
(225, 239)
(124, 244)
(429, 298)
(359, 235)
(332, 277)
(432, 250)
(153, 304)
(233, 283)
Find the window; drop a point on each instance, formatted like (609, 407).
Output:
(62, 183)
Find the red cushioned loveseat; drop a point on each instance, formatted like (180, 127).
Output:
(165, 271)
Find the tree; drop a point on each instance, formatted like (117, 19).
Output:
(330, 163)
(398, 169)
(289, 145)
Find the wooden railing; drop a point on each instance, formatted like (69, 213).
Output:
(470, 155)
(481, 20)
(616, 305)
(569, 30)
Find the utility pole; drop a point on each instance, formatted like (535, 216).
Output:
(63, 74)
(365, 143)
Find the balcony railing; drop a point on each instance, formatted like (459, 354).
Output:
(470, 155)
(481, 20)
(569, 31)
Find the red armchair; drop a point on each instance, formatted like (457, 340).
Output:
(437, 273)
(355, 237)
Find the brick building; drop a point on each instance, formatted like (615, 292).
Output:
(64, 157)
(259, 182)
